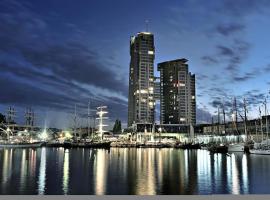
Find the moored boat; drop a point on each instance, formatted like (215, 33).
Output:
(94, 144)
(20, 144)
(237, 147)
(188, 146)
(260, 151)
(218, 149)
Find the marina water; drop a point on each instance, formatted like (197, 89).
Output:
(135, 171)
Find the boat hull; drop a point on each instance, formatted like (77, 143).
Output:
(188, 146)
(104, 145)
(236, 148)
(259, 151)
(218, 149)
(21, 145)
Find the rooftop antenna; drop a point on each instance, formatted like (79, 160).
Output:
(147, 25)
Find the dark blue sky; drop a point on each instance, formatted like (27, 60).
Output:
(54, 54)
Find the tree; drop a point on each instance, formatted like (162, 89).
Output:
(117, 126)
(2, 118)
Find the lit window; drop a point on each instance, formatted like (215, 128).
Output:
(151, 90)
(150, 52)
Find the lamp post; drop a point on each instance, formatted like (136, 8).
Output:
(8, 130)
(159, 131)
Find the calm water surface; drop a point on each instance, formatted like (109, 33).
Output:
(131, 171)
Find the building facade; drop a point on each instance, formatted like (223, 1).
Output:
(177, 93)
(141, 102)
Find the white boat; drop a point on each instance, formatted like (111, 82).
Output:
(238, 147)
(20, 145)
(260, 151)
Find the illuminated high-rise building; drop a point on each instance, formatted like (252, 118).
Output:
(141, 102)
(177, 93)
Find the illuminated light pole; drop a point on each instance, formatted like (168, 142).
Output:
(159, 131)
(101, 113)
(8, 130)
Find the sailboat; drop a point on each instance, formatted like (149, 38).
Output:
(218, 147)
(238, 147)
(263, 147)
(17, 142)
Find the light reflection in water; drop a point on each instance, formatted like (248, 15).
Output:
(235, 180)
(245, 174)
(151, 174)
(32, 164)
(160, 166)
(7, 165)
(186, 164)
(66, 171)
(145, 182)
(101, 172)
(131, 171)
(42, 172)
(229, 171)
(23, 170)
(204, 172)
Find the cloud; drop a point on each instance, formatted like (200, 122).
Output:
(41, 69)
(203, 116)
(209, 60)
(201, 76)
(242, 8)
(225, 51)
(229, 28)
(234, 54)
(267, 68)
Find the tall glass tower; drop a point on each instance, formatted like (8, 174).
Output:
(141, 103)
(177, 93)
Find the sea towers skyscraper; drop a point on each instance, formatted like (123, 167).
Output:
(177, 93)
(141, 102)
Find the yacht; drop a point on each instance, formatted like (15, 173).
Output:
(237, 147)
(7, 144)
(260, 151)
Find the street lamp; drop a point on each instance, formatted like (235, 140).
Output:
(159, 130)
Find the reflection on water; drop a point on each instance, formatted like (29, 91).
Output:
(23, 170)
(66, 171)
(42, 172)
(245, 174)
(131, 171)
(235, 174)
(101, 172)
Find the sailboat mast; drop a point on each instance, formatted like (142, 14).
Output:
(224, 119)
(256, 129)
(88, 120)
(75, 121)
(245, 108)
(261, 122)
(212, 125)
(236, 117)
(218, 122)
(266, 121)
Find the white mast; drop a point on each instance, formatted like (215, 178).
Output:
(75, 121)
(88, 120)
(266, 121)
(261, 122)
(245, 119)
(101, 113)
